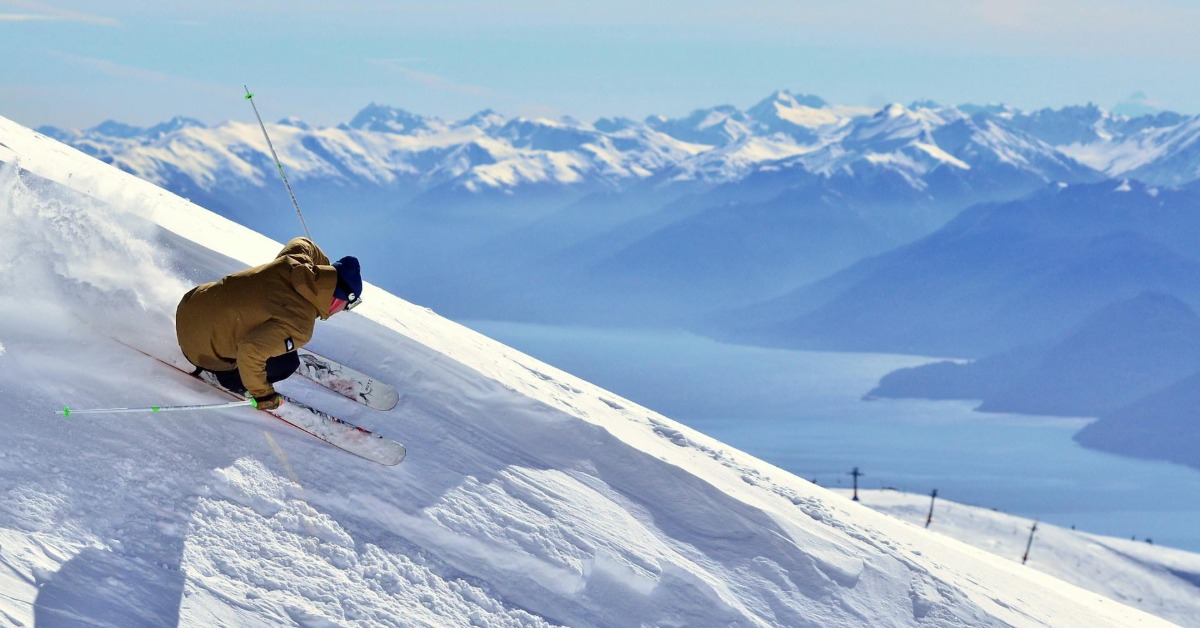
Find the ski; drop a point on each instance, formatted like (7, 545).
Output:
(337, 432)
(348, 382)
(319, 424)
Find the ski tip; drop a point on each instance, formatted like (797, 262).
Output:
(397, 456)
(385, 402)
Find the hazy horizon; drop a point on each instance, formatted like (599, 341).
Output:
(75, 64)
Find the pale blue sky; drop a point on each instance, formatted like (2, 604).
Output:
(76, 63)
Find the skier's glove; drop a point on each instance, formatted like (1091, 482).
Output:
(270, 402)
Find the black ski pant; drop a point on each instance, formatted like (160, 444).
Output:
(279, 368)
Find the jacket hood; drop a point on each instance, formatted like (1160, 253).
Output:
(318, 288)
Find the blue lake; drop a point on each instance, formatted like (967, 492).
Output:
(804, 411)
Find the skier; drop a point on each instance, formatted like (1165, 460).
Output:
(246, 327)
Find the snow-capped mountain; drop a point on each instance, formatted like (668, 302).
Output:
(384, 119)
(800, 116)
(384, 145)
(472, 199)
(529, 497)
(930, 147)
(1155, 149)
(381, 139)
(1160, 155)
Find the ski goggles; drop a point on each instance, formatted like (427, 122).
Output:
(352, 298)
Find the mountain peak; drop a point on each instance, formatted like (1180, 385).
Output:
(386, 119)
(893, 110)
(715, 126)
(112, 128)
(797, 116)
(614, 125)
(998, 110)
(121, 130)
(786, 98)
(174, 124)
(485, 119)
(293, 121)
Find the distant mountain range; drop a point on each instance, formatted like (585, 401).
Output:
(998, 276)
(1135, 364)
(661, 220)
(1115, 357)
(1026, 240)
(386, 145)
(1078, 300)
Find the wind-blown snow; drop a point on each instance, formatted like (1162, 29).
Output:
(529, 497)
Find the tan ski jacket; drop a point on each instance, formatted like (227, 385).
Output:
(242, 320)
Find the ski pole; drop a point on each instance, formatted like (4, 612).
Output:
(67, 411)
(250, 97)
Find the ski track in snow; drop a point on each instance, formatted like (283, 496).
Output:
(529, 497)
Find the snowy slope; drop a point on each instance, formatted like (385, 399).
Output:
(529, 497)
(1159, 580)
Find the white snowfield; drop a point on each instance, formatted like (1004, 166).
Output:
(1160, 580)
(529, 497)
